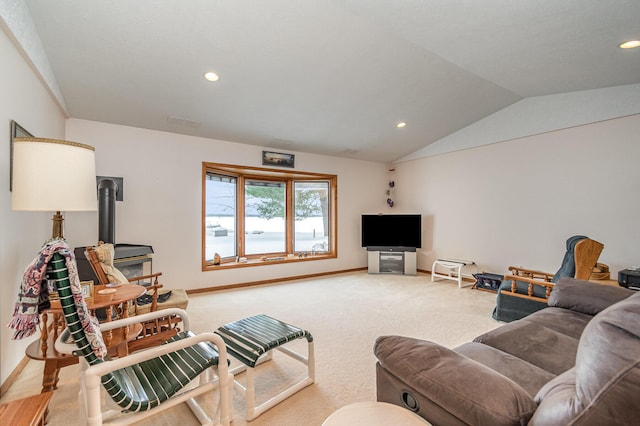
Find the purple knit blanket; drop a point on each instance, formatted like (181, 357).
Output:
(34, 294)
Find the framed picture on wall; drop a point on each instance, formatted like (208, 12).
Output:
(277, 159)
(17, 131)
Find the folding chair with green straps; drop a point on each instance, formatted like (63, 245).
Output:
(145, 382)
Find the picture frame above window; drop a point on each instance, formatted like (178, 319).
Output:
(17, 131)
(270, 158)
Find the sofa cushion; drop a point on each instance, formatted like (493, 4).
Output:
(604, 386)
(527, 375)
(454, 382)
(586, 297)
(541, 346)
(563, 321)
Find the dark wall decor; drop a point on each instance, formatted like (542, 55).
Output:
(277, 159)
(17, 131)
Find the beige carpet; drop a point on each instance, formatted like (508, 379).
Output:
(345, 313)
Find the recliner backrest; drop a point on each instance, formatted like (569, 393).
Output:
(603, 386)
(586, 256)
(579, 259)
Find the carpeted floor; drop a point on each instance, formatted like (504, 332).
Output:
(345, 313)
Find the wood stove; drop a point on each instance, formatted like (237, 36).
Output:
(131, 259)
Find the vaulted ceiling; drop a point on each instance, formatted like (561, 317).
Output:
(328, 76)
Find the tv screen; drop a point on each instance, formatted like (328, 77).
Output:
(392, 230)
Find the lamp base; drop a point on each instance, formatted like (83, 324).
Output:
(58, 221)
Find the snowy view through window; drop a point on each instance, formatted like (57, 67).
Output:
(265, 224)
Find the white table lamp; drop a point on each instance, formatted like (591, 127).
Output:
(53, 175)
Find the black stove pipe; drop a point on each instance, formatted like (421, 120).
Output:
(107, 190)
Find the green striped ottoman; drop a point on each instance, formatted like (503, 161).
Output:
(250, 341)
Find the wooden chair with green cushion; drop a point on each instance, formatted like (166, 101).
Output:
(146, 382)
(154, 332)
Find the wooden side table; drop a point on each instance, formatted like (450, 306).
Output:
(607, 282)
(30, 411)
(372, 413)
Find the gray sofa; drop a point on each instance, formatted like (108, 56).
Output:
(576, 362)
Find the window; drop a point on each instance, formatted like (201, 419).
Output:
(311, 201)
(266, 215)
(220, 215)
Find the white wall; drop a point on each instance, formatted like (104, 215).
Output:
(516, 202)
(163, 200)
(538, 115)
(23, 99)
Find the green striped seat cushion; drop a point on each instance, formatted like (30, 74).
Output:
(249, 338)
(146, 385)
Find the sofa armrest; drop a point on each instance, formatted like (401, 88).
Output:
(586, 297)
(468, 390)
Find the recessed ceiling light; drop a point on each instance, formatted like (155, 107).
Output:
(630, 44)
(401, 124)
(211, 76)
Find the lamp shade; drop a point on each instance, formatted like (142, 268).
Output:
(53, 175)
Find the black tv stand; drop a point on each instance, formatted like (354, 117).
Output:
(392, 260)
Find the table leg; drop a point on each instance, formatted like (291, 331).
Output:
(125, 314)
(44, 335)
(52, 369)
(50, 376)
(108, 335)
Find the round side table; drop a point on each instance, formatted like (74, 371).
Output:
(374, 414)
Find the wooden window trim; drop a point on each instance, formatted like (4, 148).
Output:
(243, 173)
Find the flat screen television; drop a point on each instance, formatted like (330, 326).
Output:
(392, 230)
